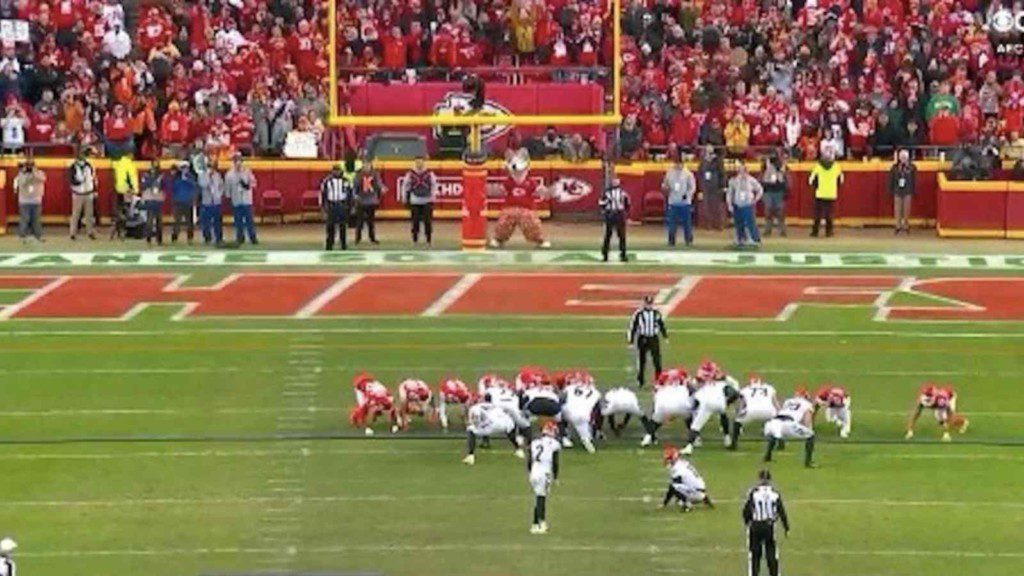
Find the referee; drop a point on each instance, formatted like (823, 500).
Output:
(336, 201)
(614, 205)
(646, 327)
(762, 509)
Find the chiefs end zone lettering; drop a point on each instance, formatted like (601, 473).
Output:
(304, 295)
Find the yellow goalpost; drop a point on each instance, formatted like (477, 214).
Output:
(336, 119)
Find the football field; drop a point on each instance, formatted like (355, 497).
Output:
(175, 421)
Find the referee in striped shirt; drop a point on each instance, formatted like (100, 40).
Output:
(760, 512)
(336, 193)
(614, 205)
(646, 328)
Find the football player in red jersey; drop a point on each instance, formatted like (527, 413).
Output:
(372, 400)
(452, 391)
(413, 398)
(836, 402)
(941, 400)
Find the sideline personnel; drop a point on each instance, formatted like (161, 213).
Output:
(762, 508)
(645, 328)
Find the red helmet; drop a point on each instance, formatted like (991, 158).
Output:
(550, 429)
(928, 389)
(670, 454)
(361, 379)
(755, 378)
(708, 369)
(801, 391)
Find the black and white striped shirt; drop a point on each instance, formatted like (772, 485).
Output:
(764, 505)
(646, 323)
(614, 200)
(335, 189)
(7, 567)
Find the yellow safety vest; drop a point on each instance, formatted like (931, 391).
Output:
(126, 176)
(827, 180)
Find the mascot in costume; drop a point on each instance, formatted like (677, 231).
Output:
(520, 193)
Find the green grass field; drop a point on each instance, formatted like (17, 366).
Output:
(200, 447)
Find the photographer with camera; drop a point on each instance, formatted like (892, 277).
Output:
(239, 186)
(82, 176)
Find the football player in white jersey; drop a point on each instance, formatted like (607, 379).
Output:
(671, 399)
(542, 400)
(487, 419)
(795, 421)
(542, 466)
(503, 395)
(759, 402)
(618, 402)
(716, 391)
(578, 410)
(685, 483)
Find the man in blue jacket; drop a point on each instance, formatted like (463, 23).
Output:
(184, 191)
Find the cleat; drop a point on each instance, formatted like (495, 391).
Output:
(727, 441)
(963, 427)
(535, 529)
(519, 454)
(469, 460)
(909, 435)
(589, 446)
(368, 431)
(493, 243)
(545, 245)
(844, 433)
(566, 442)
(811, 465)
(687, 450)
(647, 441)
(698, 442)
(543, 528)
(394, 429)
(946, 437)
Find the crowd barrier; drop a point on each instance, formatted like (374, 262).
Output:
(980, 209)
(961, 209)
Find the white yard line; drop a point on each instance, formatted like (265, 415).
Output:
(531, 329)
(295, 495)
(321, 300)
(452, 295)
(597, 548)
(10, 310)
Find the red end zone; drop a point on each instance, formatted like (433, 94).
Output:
(316, 295)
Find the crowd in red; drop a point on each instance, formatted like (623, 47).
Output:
(854, 77)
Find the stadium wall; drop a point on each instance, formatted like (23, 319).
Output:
(960, 209)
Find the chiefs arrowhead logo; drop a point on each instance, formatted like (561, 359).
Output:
(568, 190)
(457, 102)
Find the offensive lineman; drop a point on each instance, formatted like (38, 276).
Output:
(716, 392)
(618, 402)
(581, 402)
(542, 466)
(795, 421)
(758, 402)
(671, 398)
(685, 483)
(487, 419)
(503, 395)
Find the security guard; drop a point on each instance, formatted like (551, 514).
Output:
(614, 205)
(336, 202)
(760, 512)
(645, 328)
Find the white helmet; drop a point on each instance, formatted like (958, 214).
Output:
(7, 545)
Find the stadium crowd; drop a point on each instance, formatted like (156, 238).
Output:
(858, 77)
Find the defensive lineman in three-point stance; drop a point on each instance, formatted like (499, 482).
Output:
(542, 466)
